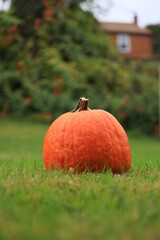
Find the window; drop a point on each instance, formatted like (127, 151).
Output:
(124, 43)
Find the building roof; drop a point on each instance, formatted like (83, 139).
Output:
(132, 28)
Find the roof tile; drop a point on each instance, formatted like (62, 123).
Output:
(124, 28)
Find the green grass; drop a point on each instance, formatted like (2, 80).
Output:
(35, 204)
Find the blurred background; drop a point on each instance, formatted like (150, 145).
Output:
(54, 51)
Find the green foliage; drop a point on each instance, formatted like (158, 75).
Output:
(142, 106)
(156, 38)
(50, 55)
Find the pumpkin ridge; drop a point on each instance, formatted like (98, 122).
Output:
(89, 113)
(63, 143)
(116, 133)
(123, 160)
(93, 113)
(54, 162)
(82, 160)
(73, 139)
(112, 137)
(66, 148)
(99, 121)
(108, 127)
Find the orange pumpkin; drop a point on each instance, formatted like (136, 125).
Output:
(86, 139)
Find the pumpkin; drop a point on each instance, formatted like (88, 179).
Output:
(85, 139)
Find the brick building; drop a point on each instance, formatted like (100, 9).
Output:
(130, 40)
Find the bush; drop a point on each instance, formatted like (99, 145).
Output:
(50, 55)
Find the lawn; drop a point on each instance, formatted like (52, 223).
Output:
(35, 204)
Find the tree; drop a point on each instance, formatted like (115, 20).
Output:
(155, 29)
(55, 54)
(97, 7)
(52, 52)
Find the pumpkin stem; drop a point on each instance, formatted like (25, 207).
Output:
(82, 105)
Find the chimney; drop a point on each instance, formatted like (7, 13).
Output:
(135, 19)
